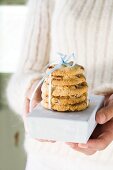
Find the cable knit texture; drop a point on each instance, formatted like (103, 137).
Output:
(81, 26)
(35, 52)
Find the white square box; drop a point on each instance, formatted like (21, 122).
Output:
(64, 126)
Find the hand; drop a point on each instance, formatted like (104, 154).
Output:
(35, 101)
(103, 133)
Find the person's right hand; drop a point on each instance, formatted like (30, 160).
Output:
(35, 101)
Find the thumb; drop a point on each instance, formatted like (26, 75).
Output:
(105, 114)
(36, 98)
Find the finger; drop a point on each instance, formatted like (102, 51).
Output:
(36, 99)
(26, 107)
(74, 145)
(30, 91)
(87, 151)
(111, 97)
(106, 101)
(33, 104)
(105, 114)
(43, 140)
(37, 95)
(100, 143)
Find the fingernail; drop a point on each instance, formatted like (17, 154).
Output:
(82, 145)
(102, 119)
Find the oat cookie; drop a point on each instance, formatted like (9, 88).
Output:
(66, 100)
(65, 90)
(71, 71)
(62, 108)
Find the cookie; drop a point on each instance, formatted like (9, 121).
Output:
(66, 100)
(66, 80)
(65, 90)
(70, 71)
(69, 81)
(62, 108)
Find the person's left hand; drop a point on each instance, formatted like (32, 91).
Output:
(103, 133)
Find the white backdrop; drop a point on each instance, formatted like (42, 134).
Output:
(12, 21)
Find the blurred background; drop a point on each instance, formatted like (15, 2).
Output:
(12, 21)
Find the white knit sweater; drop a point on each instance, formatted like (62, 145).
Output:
(81, 26)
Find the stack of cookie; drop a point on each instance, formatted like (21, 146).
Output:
(65, 89)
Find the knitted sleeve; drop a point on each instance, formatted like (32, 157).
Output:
(35, 53)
